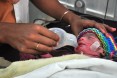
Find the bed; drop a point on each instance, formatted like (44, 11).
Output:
(68, 66)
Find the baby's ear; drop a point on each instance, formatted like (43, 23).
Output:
(100, 50)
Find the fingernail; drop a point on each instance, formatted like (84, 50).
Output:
(57, 44)
(103, 31)
(107, 35)
(114, 29)
(53, 48)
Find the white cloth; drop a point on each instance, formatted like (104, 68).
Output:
(22, 11)
(77, 68)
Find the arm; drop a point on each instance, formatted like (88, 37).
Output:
(52, 8)
(56, 10)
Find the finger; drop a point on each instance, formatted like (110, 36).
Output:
(100, 26)
(42, 40)
(42, 48)
(109, 28)
(45, 32)
(31, 47)
(31, 51)
(27, 47)
(35, 46)
(91, 23)
(95, 24)
(103, 28)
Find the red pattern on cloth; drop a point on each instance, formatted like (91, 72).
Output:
(25, 56)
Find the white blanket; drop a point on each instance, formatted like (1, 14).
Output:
(83, 68)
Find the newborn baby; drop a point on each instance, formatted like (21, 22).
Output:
(93, 43)
(90, 45)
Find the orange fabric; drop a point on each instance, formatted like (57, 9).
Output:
(7, 12)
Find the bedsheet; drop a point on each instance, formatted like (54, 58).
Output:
(23, 67)
(76, 68)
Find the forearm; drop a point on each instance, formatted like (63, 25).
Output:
(53, 8)
(3, 32)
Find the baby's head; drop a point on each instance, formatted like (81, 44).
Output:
(94, 43)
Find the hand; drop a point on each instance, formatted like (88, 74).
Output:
(80, 23)
(26, 37)
(77, 24)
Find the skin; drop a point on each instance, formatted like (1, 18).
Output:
(84, 44)
(12, 1)
(56, 10)
(25, 37)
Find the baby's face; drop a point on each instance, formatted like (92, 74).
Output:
(84, 45)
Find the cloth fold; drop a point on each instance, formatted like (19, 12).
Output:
(76, 68)
(23, 67)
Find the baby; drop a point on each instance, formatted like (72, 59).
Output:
(93, 43)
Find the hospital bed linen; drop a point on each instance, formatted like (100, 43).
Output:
(76, 68)
(23, 67)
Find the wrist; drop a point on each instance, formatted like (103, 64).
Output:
(70, 17)
(64, 15)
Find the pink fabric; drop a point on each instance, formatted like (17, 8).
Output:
(24, 56)
(46, 55)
